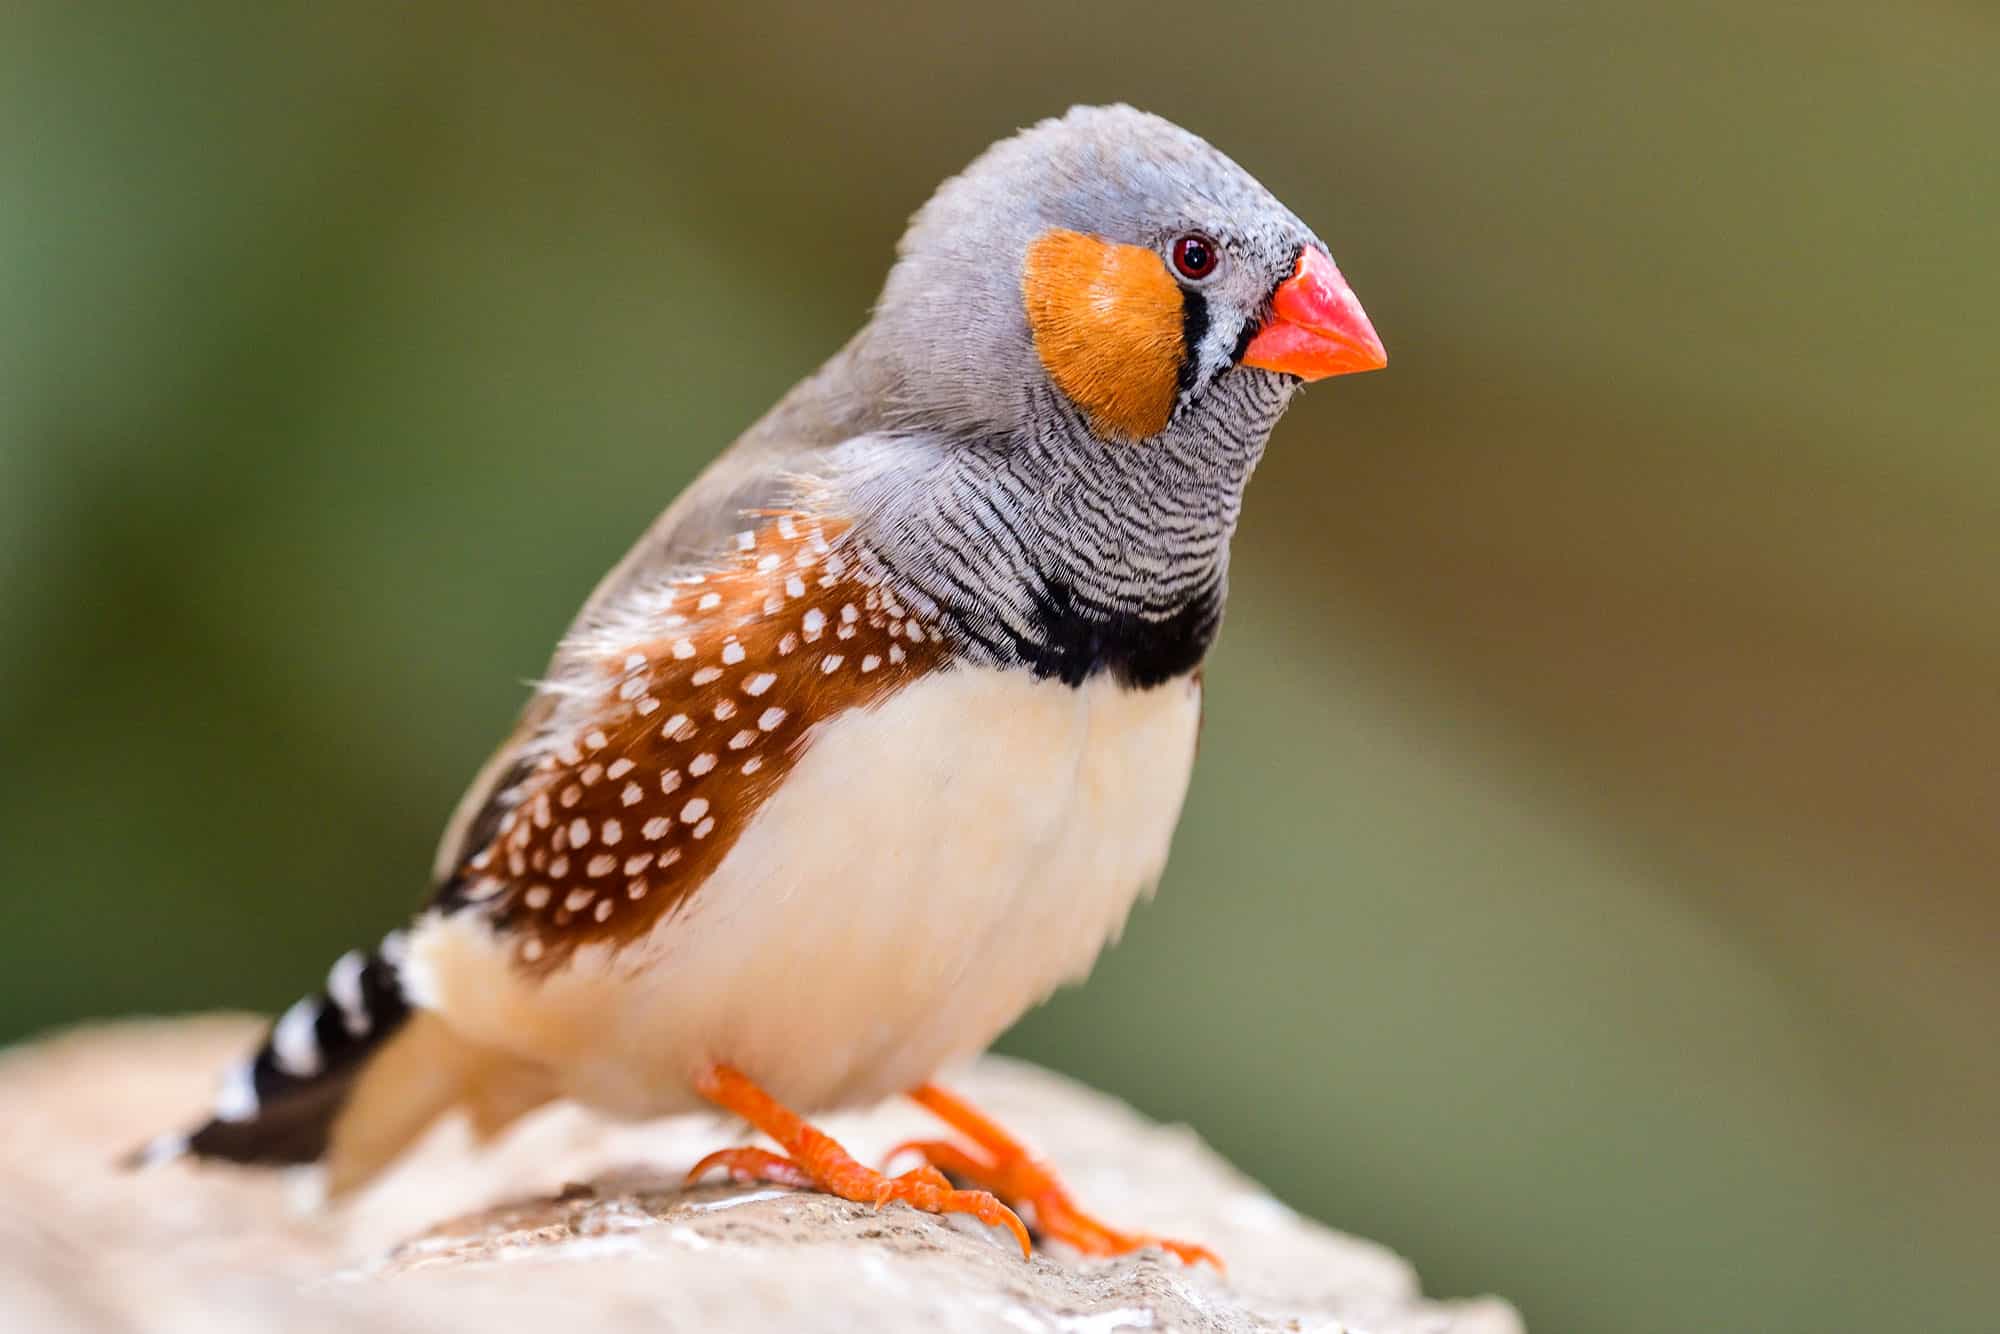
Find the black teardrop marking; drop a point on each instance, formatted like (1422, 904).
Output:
(1194, 328)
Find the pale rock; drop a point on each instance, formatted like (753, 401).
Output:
(570, 1223)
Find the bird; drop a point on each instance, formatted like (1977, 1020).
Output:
(876, 736)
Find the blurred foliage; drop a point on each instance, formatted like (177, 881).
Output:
(1588, 885)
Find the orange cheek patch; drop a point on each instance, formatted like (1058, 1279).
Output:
(1107, 325)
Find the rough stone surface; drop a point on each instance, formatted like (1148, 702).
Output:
(570, 1223)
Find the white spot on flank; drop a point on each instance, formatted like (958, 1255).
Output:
(732, 653)
(579, 832)
(673, 725)
(569, 754)
(705, 675)
(870, 662)
(657, 827)
(834, 564)
(845, 632)
(766, 564)
(773, 605)
(742, 740)
(571, 794)
(611, 832)
(830, 663)
(669, 857)
(724, 709)
(601, 865)
(753, 764)
(695, 809)
(638, 863)
(293, 1043)
(684, 649)
(848, 613)
(579, 899)
(794, 586)
(701, 764)
(815, 621)
(701, 830)
(619, 768)
(602, 912)
(770, 718)
(634, 661)
(537, 896)
(636, 890)
(632, 689)
(708, 602)
(531, 950)
(559, 868)
(754, 686)
(746, 540)
(786, 528)
(896, 653)
(595, 741)
(647, 705)
(669, 781)
(788, 645)
(591, 773)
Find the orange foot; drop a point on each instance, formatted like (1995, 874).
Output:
(812, 1159)
(1006, 1168)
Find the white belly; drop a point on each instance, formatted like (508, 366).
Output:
(929, 870)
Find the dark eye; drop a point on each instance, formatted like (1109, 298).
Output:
(1195, 256)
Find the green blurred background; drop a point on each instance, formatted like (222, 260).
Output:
(1588, 883)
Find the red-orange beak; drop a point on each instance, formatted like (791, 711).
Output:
(1317, 327)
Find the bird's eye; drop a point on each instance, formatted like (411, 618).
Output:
(1195, 256)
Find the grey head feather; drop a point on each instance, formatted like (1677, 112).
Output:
(949, 344)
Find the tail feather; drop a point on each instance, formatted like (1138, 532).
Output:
(278, 1105)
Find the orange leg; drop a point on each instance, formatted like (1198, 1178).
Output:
(813, 1159)
(1005, 1167)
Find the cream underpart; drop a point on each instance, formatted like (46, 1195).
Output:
(929, 869)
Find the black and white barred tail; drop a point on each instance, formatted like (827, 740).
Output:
(278, 1104)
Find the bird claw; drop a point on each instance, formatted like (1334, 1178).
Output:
(1007, 1170)
(817, 1162)
(749, 1164)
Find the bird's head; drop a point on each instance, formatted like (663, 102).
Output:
(1124, 262)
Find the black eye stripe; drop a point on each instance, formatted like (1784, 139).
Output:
(1194, 327)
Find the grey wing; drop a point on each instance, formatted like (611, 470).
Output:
(759, 471)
